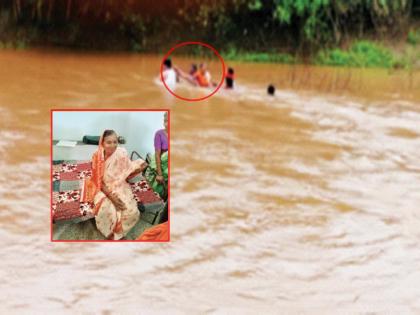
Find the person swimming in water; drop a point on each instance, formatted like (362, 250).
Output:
(197, 76)
(193, 69)
(203, 76)
(230, 78)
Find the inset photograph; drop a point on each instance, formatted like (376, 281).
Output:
(110, 175)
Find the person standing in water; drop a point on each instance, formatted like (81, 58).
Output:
(169, 75)
(193, 77)
(207, 75)
(198, 77)
(230, 78)
(271, 90)
(193, 69)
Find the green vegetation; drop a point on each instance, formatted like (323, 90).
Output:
(247, 30)
(413, 37)
(360, 54)
(233, 54)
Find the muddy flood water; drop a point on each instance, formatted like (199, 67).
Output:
(306, 202)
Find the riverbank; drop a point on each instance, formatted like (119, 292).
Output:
(385, 35)
(360, 54)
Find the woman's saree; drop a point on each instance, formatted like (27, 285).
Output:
(112, 173)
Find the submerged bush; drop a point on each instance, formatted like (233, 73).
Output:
(413, 37)
(233, 54)
(360, 54)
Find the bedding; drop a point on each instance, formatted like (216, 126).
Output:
(67, 183)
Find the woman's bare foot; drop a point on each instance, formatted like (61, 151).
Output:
(110, 237)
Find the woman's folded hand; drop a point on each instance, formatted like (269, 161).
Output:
(142, 167)
(105, 189)
(118, 203)
(138, 170)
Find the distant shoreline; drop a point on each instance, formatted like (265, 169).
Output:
(366, 34)
(360, 54)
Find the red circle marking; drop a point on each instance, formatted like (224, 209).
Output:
(193, 43)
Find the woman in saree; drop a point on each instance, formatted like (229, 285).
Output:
(115, 208)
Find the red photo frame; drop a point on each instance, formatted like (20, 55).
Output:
(51, 170)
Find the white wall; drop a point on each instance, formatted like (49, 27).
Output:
(137, 127)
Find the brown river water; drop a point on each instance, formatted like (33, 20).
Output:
(306, 202)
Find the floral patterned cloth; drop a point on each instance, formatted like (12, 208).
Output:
(66, 195)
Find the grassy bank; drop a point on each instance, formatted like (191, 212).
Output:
(368, 54)
(266, 57)
(360, 54)
(279, 31)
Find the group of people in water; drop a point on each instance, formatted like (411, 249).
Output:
(199, 76)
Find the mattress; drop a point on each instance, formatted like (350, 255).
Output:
(67, 181)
